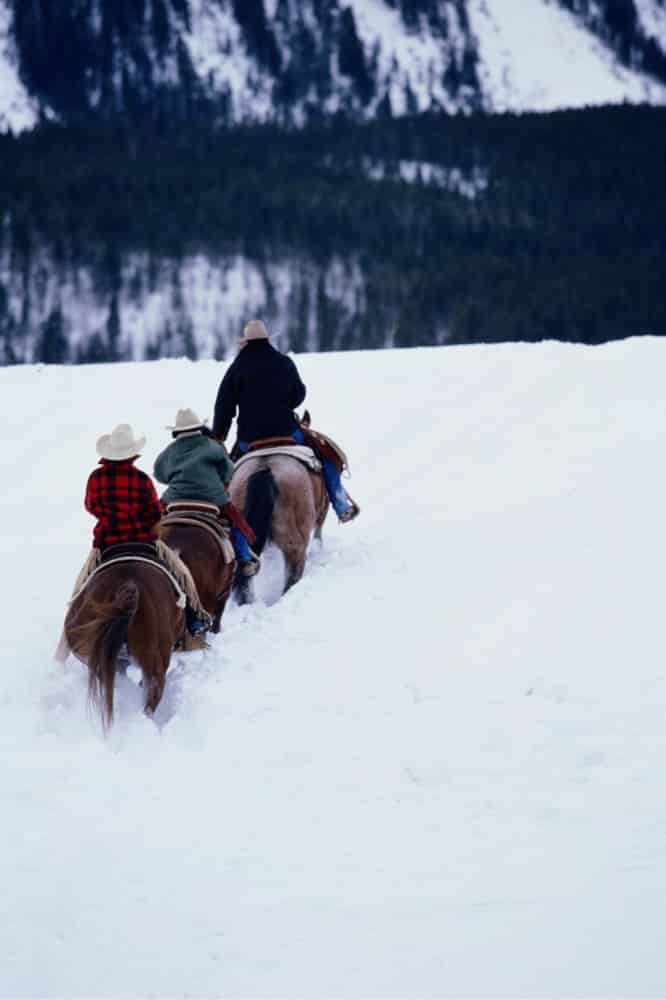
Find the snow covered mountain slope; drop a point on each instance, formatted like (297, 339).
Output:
(289, 59)
(652, 18)
(434, 767)
(17, 110)
(539, 56)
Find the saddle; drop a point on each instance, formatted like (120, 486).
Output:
(203, 515)
(129, 550)
(272, 442)
(300, 452)
(194, 506)
(324, 447)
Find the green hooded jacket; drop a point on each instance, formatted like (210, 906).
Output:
(195, 468)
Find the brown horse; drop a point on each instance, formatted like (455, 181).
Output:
(128, 604)
(285, 503)
(201, 553)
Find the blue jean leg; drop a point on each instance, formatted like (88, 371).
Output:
(240, 544)
(336, 491)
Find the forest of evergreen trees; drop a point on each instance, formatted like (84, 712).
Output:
(566, 241)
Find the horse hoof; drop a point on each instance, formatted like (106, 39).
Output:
(192, 642)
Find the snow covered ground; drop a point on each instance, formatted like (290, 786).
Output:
(435, 767)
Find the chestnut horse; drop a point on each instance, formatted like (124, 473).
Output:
(133, 604)
(285, 503)
(202, 555)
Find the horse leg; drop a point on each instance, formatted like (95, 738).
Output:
(243, 589)
(217, 617)
(222, 598)
(321, 505)
(154, 687)
(295, 562)
(294, 536)
(154, 666)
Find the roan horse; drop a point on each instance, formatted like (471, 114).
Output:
(130, 603)
(285, 503)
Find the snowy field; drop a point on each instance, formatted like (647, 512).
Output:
(434, 768)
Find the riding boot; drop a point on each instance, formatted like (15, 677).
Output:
(342, 503)
(333, 463)
(196, 622)
(249, 562)
(189, 642)
(350, 513)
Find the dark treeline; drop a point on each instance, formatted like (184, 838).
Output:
(566, 240)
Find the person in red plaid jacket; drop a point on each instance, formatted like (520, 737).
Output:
(120, 496)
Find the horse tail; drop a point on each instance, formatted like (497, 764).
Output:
(262, 492)
(108, 633)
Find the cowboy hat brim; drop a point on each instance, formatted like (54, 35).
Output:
(114, 453)
(242, 341)
(186, 427)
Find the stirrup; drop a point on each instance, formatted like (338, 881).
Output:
(349, 514)
(197, 622)
(249, 567)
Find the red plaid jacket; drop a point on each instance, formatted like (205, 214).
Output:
(124, 501)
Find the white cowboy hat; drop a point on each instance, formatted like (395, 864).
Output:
(119, 444)
(186, 420)
(254, 330)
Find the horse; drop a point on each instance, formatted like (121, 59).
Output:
(200, 550)
(128, 603)
(284, 502)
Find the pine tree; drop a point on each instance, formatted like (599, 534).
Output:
(52, 347)
(351, 57)
(251, 16)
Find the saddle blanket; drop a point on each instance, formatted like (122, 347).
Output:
(300, 452)
(328, 448)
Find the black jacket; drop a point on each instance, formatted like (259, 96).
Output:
(264, 386)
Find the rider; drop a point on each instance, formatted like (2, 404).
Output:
(120, 496)
(264, 386)
(198, 468)
(124, 501)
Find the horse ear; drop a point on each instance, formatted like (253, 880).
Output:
(305, 421)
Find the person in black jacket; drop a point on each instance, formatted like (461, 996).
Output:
(264, 386)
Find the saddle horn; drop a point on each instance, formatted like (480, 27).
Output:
(306, 419)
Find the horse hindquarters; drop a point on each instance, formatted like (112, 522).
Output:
(284, 503)
(295, 516)
(256, 494)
